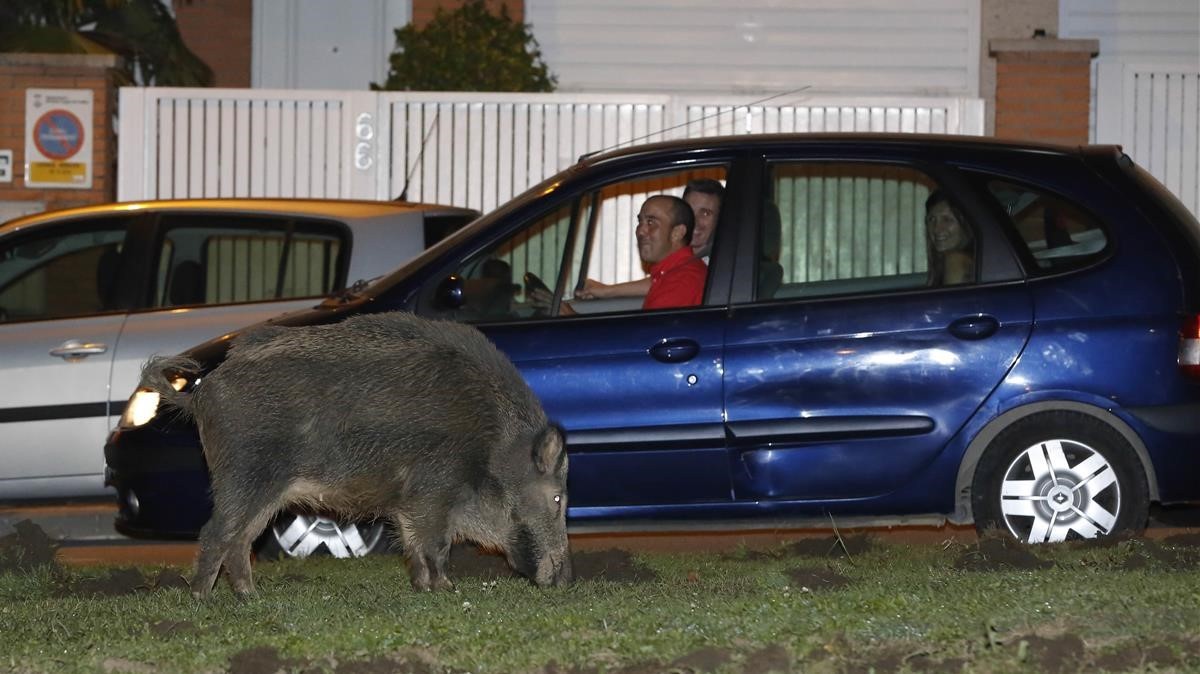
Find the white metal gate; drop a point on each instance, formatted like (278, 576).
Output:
(466, 149)
(1153, 111)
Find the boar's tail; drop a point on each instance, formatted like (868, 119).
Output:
(157, 374)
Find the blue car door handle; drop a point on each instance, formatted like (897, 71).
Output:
(675, 350)
(974, 327)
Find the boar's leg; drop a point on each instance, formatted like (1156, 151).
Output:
(238, 561)
(208, 560)
(227, 537)
(426, 545)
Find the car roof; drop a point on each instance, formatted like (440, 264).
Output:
(339, 209)
(765, 140)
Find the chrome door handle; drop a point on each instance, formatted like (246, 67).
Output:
(75, 349)
(675, 350)
(974, 327)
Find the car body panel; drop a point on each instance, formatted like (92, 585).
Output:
(49, 401)
(851, 398)
(868, 404)
(54, 415)
(630, 418)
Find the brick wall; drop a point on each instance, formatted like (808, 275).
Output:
(1043, 89)
(19, 72)
(220, 32)
(423, 10)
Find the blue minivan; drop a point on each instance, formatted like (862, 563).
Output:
(836, 368)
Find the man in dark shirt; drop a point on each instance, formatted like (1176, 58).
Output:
(664, 235)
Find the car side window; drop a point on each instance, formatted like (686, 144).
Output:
(204, 260)
(542, 271)
(846, 228)
(69, 271)
(1057, 235)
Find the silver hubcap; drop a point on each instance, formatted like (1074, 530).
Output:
(1058, 487)
(305, 534)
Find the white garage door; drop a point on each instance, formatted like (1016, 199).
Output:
(918, 47)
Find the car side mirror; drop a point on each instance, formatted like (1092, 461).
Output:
(450, 293)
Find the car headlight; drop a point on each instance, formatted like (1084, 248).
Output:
(143, 405)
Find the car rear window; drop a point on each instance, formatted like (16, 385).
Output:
(1057, 235)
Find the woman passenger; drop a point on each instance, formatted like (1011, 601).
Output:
(949, 242)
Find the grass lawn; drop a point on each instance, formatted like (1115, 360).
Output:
(850, 604)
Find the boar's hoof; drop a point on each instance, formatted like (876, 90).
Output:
(432, 584)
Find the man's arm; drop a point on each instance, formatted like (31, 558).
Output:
(595, 290)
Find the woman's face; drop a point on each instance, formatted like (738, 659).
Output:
(945, 231)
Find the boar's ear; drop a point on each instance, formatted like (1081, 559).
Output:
(548, 452)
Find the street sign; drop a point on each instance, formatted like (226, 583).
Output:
(58, 143)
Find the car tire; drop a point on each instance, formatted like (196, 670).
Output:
(298, 535)
(1060, 475)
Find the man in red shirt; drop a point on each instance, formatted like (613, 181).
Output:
(664, 235)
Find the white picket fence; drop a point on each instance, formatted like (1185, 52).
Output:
(1153, 112)
(467, 149)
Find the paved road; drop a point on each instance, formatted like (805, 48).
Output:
(87, 535)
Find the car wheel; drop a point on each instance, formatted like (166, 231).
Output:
(1057, 476)
(298, 535)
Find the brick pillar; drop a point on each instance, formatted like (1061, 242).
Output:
(19, 72)
(220, 32)
(1042, 89)
(423, 10)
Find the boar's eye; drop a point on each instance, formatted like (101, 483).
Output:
(558, 498)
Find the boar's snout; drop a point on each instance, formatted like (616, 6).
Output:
(544, 560)
(554, 571)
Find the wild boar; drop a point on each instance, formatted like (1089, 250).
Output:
(386, 415)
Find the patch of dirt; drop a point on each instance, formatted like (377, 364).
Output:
(266, 660)
(27, 548)
(817, 580)
(1183, 540)
(922, 662)
(773, 658)
(1052, 655)
(260, 660)
(119, 582)
(614, 565)
(828, 546)
(999, 553)
(1100, 542)
(1135, 656)
(883, 660)
(707, 659)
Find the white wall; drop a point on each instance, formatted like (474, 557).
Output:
(324, 44)
(1146, 83)
(916, 47)
(1136, 30)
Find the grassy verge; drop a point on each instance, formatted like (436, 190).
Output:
(825, 606)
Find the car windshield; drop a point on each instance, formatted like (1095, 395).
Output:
(541, 190)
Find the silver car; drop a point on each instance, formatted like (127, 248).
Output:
(87, 294)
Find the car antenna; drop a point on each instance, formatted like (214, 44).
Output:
(417, 162)
(705, 118)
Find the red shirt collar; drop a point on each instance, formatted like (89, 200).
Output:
(675, 259)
